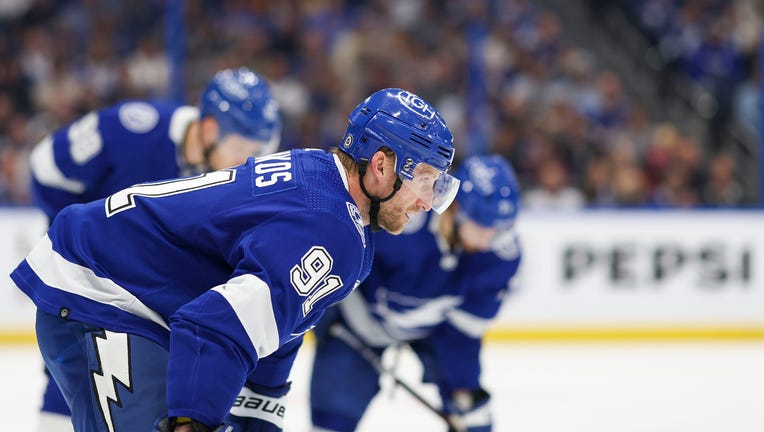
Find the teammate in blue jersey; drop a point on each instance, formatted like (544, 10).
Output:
(436, 287)
(138, 141)
(168, 304)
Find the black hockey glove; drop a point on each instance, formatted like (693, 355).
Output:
(168, 424)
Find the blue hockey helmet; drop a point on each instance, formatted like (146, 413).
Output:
(241, 102)
(489, 192)
(414, 130)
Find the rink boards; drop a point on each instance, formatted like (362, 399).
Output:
(584, 275)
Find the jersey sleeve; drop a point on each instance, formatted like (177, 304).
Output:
(487, 281)
(66, 164)
(273, 371)
(286, 272)
(458, 341)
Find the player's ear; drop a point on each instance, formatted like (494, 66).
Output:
(379, 165)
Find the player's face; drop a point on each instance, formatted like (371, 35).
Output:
(234, 149)
(475, 237)
(435, 188)
(394, 214)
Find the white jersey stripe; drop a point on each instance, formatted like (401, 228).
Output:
(425, 314)
(471, 325)
(356, 312)
(341, 170)
(250, 298)
(44, 169)
(55, 271)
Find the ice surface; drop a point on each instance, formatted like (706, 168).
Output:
(536, 387)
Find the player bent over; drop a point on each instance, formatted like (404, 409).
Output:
(158, 304)
(138, 141)
(435, 287)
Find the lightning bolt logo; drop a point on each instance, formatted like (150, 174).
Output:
(113, 351)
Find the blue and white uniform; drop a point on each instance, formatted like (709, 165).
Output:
(440, 301)
(139, 141)
(108, 150)
(228, 268)
(105, 151)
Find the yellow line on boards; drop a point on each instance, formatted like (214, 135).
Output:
(17, 337)
(552, 334)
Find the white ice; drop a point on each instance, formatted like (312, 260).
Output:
(536, 387)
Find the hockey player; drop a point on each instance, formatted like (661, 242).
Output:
(436, 287)
(138, 141)
(170, 303)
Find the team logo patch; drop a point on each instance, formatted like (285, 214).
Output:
(138, 117)
(482, 177)
(506, 246)
(234, 89)
(355, 214)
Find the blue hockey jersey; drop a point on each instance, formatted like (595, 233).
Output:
(240, 261)
(108, 150)
(420, 289)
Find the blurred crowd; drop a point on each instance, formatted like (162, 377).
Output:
(502, 72)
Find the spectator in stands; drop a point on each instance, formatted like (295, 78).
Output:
(311, 49)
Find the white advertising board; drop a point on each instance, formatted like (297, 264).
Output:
(20, 229)
(592, 269)
(634, 268)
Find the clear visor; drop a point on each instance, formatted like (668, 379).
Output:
(435, 188)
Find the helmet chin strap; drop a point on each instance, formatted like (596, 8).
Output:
(375, 201)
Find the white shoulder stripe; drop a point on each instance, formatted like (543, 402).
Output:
(250, 298)
(45, 170)
(55, 271)
(471, 325)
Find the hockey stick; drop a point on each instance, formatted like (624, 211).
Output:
(340, 332)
